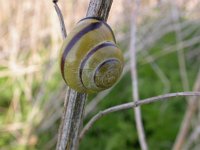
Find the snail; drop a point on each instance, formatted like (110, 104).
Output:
(90, 59)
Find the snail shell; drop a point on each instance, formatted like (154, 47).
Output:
(90, 60)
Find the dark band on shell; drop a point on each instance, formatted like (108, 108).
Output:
(99, 19)
(91, 52)
(76, 38)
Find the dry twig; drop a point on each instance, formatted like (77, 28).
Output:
(185, 125)
(73, 108)
(130, 105)
(135, 93)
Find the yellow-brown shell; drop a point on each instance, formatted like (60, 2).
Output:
(90, 60)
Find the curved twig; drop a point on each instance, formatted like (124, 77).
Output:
(131, 105)
(61, 20)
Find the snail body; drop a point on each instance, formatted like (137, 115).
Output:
(90, 60)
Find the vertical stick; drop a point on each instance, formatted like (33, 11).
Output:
(74, 101)
(179, 41)
(137, 110)
(192, 107)
(181, 136)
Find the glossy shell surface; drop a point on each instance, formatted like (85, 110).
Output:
(90, 59)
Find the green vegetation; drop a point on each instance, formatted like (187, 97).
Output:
(115, 131)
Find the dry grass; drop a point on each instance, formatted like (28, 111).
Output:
(32, 90)
(29, 45)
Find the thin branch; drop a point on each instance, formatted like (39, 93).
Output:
(180, 140)
(61, 20)
(180, 50)
(193, 138)
(130, 105)
(135, 93)
(185, 125)
(73, 107)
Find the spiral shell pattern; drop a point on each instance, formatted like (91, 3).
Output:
(90, 60)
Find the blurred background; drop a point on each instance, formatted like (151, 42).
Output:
(32, 90)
